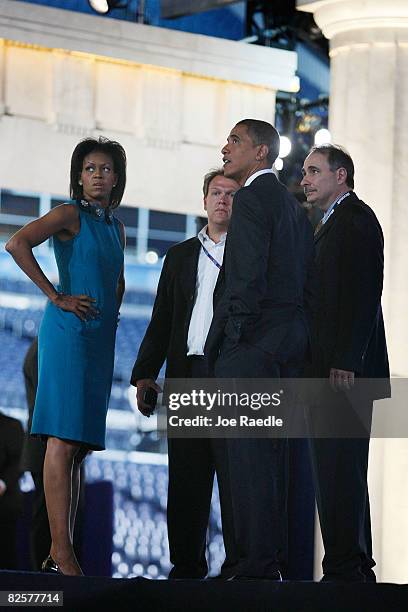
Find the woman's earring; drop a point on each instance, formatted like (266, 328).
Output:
(80, 182)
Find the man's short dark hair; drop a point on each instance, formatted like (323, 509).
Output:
(109, 147)
(337, 157)
(209, 177)
(261, 132)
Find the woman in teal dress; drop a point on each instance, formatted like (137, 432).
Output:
(77, 333)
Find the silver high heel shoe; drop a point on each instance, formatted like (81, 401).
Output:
(49, 566)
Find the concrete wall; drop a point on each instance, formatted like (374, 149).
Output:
(169, 97)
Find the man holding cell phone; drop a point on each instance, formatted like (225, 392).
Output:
(190, 286)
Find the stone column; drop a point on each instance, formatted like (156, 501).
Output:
(368, 99)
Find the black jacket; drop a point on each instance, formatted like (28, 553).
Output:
(269, 269)
(166, 335)
(32, 458)
(348, 327)
(11, 444)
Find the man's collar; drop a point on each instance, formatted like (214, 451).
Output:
(256, 174)
(332, 206)
(204, 237)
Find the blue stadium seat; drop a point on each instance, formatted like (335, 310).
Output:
(140, 539)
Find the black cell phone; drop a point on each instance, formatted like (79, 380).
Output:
(150, 398)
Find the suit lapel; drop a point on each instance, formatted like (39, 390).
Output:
(220, 278)
(188, 272)
(325, 229)
(338, 214)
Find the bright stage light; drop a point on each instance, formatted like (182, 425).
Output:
(278, 164)
(104, 6)
(99, 6)
(285, 147)
(322, 136)
(151, 257)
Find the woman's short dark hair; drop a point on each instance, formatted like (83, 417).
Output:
(337, 157)
(261, 132)
(109, 147)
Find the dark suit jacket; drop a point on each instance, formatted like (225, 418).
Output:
(32, 458)
(11, 443)
(166, 335)
(269, 269)
(348, 328)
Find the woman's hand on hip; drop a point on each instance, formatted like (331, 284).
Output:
(81, 305)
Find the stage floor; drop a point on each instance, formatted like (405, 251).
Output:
(86, 594)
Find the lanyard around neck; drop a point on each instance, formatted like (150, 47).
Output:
(215, 262)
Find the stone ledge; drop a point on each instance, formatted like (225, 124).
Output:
(132, 42)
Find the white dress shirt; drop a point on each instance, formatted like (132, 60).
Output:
(333, 205)
(207, 274)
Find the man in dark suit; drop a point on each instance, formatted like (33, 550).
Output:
(190, 284)
(348, 345)
(260, 330)
(32, 460)
(11, 444)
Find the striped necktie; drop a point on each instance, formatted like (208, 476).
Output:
(318, 227)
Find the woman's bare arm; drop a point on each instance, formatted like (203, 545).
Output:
(63, 221)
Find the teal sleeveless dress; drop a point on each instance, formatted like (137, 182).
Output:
(75, 358)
